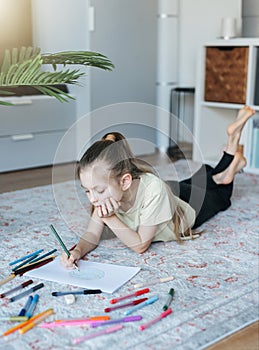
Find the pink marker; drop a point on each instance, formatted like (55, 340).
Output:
(135, 294)
(97, 334)
(156, 319)
(75, 322)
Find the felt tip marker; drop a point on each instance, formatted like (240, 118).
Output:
(23, 285)
(131, 303)
(135, 294)
(139, 306)
(14, 318)
(34, 322)
(74, 322)
(169, 300)
(29, 291)
(86, 291)
(156, 319)
(99, 333)
(26, 306)
(32, 307)
(21, 325)
(119, 320)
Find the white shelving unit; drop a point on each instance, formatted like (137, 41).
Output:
(212, 118)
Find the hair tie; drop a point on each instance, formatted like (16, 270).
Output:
(110, 137)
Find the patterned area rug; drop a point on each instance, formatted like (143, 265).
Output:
(215, 276)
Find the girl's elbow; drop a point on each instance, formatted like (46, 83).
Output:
(140, 249)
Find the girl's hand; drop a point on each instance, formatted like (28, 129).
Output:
(108, 208)
(68, 262)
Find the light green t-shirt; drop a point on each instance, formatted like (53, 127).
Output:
(155, 205)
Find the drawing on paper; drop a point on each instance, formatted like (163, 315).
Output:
(89, 274)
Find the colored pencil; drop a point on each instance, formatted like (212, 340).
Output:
(62, 244)
(43, 256)
(24, 269)
(7, 279)
(25, 257)
(24, 263)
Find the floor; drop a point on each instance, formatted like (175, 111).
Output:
(245, 339)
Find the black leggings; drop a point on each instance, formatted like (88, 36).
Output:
(202, 193)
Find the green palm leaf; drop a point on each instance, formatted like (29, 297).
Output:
(24, 68)
(86, 58)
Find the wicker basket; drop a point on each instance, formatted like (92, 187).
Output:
(226, 74)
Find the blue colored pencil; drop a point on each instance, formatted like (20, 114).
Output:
(43, 256)
(24, 263)
(25, 257)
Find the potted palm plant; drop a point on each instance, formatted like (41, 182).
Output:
(23, 69)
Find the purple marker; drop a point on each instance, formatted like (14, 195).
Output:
(99, 333)
(119, 320)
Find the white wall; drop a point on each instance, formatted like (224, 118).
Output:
(60, 25)
(63, 25)
(126, 32)
(200, 21)
(250, 13)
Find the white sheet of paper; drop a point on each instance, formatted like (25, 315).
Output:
(91, 275)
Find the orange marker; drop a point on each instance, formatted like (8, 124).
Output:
(34, 323)
(23, 324)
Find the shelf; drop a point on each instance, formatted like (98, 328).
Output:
(227, 105)
(222, 105)
(234, 42)
(212, 117)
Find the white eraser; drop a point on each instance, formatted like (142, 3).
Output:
(70, 299)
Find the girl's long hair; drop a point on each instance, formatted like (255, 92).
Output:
(115, 151)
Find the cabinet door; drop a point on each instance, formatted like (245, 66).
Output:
(35, 114)
(226, 74)
(33, 150)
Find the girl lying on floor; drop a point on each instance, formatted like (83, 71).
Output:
(139, 207)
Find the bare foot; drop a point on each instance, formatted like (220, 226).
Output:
(243, 115)
(227, 176)
(234, 130)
